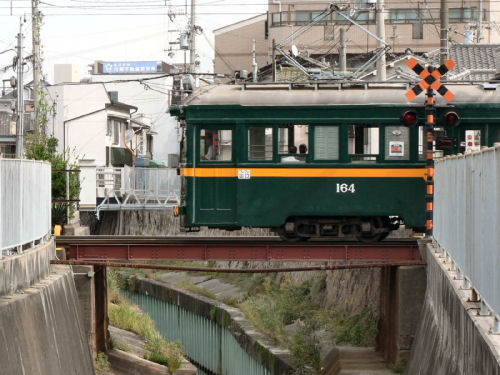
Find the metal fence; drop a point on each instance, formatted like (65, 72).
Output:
(209, 345)
(25, 203)
(137, 188)
(467, 218)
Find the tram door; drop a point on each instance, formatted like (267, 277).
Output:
(214, 183)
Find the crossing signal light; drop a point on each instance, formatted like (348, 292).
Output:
(409, 117)
(451, 118)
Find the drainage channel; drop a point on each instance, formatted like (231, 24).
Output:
(214, 336)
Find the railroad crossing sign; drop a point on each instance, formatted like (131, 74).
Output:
(429, 83)
(430, 79)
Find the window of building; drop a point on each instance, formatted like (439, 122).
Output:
(115, 129)
(461, 15)
(404, 15)
(397, 143)
(326, 142)
(216, 145)
(363, 142)
(293, 143)
(302, 17)
(260, 143)
(418, 30)
(316, 16)
(329, 32)
(276, 18)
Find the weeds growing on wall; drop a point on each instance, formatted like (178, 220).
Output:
(124, 315)
(288, 312)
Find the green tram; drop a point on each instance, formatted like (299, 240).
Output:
(315, 160)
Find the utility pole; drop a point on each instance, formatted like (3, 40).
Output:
(343, 52)
(36, 59)
(379, 11)
(444, 31)
(480, 21)
(274, 61)
(255, 68)
(192, 44)
(20, 93)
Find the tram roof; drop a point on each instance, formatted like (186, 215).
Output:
(333, 94)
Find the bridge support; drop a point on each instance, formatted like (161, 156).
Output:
(401, 298)
(91, 286)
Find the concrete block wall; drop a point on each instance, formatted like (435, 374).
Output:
(20, 271)
(41, 330)
(451, 337)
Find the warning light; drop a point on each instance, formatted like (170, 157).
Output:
(451, 119)
(409, 117)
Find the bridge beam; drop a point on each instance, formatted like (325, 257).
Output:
(161, 248)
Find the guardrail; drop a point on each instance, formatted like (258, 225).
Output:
(467, 220)
(25, 203)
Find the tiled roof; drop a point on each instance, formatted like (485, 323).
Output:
(473, 61)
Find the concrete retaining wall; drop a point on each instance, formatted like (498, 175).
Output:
(41, 330)
(254, 343)
(20, 271)
(451, 337)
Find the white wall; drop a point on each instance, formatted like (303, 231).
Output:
(151, 103)
(86, 133)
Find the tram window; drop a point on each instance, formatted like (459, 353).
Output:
(363, 142)
(496, 136)
(216, 144)
(293, 143)
(397, 143)
(326, 142)
(260, 143)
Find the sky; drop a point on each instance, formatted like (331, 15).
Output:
(82, 31)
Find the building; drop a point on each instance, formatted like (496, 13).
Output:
(90, 125)
(150, 90)
(407, 25)
(8, 120)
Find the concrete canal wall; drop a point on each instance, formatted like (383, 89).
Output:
(276, 360)
(451, 337)
(41, 330)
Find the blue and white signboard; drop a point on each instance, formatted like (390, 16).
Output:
(122, 67)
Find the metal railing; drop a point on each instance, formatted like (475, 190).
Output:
(25, 203)
(467, 219)
(137, 188)
(211, 346)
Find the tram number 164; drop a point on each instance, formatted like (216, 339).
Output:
(346, 188)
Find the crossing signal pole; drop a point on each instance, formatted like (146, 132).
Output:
(430, 82)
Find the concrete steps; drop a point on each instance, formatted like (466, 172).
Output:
(361, 361)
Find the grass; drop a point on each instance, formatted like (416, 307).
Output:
(274, 302)
(124, 315)
(113, 344)
(102, 364)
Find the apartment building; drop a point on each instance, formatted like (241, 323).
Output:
(408, 24)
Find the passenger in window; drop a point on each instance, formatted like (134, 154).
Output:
(210, 151)
(303, 149)
(291, 159)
